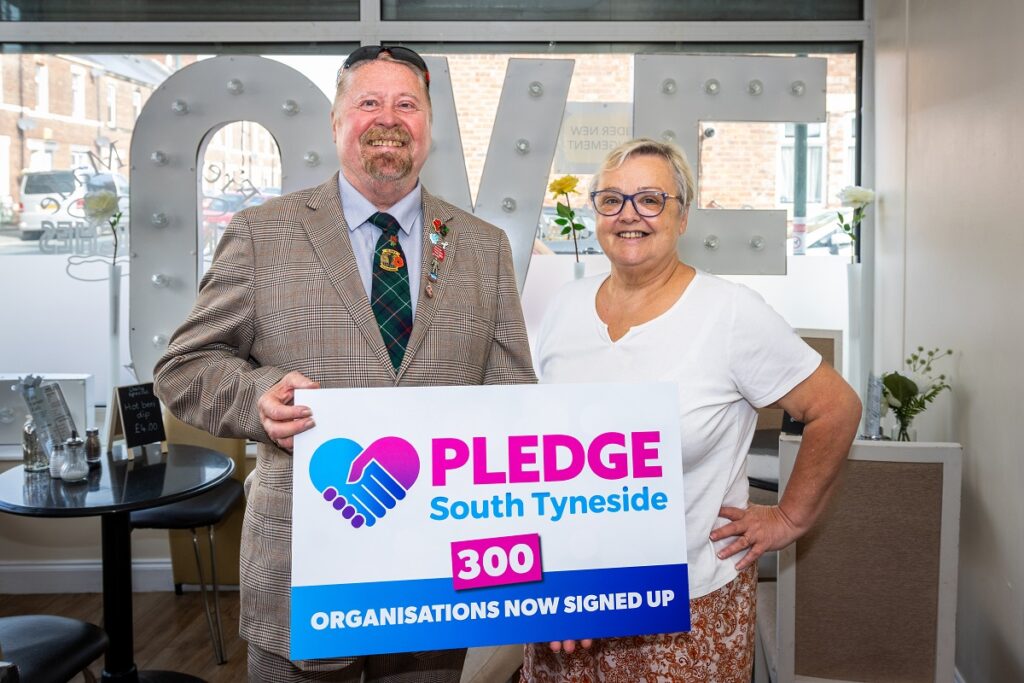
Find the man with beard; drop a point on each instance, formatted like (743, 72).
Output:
(364, 281)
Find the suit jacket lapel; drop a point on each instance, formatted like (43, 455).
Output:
(426, 307)
(328, 233)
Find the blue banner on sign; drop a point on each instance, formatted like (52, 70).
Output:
(428, 614)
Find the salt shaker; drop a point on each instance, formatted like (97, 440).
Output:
(56, 460)
(75, 468)
(93, 449)
(32, 453)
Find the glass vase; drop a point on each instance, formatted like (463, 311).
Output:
(904, 432)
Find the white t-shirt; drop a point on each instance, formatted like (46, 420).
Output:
(728, 351)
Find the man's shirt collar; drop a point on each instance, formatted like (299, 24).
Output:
(358, 209)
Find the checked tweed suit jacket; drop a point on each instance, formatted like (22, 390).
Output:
(284, 294)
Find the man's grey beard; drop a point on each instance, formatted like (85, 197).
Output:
(389, 166)
(377, 165)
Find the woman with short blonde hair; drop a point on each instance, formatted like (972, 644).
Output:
(655, 318)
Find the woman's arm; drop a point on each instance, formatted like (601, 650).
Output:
(830, 411)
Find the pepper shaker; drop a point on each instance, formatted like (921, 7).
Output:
(93, 449)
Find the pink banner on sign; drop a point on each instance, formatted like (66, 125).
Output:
(499, 561)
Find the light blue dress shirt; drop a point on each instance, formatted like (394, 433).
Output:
(408, 211)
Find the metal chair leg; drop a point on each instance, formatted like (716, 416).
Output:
(216, 595)
(206, 600)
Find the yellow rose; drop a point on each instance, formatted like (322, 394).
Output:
(564, 185)
(100, 205)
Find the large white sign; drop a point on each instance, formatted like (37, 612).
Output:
(439, 517)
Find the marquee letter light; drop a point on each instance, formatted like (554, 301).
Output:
(674, 93)
(166, 179)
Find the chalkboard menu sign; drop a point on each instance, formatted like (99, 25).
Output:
(138, 411)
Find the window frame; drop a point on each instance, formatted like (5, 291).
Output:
(36, 146)
(80, 151)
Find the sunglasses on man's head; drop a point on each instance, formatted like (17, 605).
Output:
(402, 54)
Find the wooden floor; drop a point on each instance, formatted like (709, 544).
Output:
(170, 630)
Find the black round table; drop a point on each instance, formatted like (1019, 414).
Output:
(113, 490)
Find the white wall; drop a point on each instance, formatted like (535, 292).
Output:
(956, 243)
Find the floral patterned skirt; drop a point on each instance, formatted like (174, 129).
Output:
(719, 648)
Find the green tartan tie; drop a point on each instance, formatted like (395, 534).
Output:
(389, 296)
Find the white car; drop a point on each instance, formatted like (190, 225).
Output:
(56, 199)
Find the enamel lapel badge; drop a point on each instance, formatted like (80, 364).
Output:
(440, 231)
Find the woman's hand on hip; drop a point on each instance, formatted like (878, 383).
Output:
(281, 419)
(758, 529)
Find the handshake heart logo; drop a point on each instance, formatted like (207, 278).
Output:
(363, 484)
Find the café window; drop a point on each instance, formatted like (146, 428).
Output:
(241, 165)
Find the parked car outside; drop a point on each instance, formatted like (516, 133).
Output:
(57, 198)
(220, 209)
(827, 240)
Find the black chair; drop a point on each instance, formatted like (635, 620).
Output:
(204, 510)
(49, 649)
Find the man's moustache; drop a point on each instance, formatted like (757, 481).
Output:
(386, 134)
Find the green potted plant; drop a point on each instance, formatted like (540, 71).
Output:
(909, 394)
